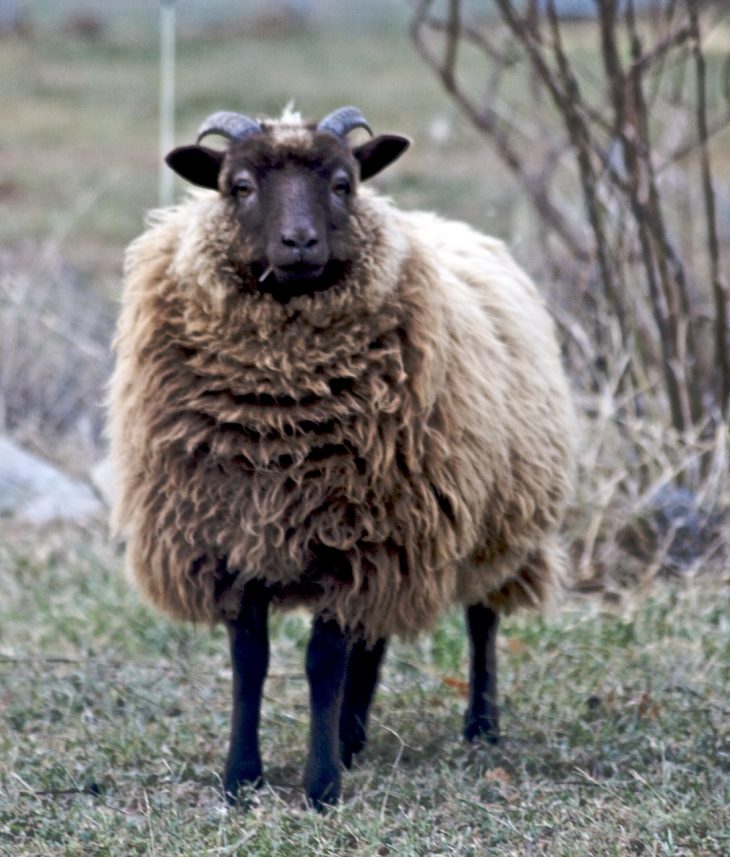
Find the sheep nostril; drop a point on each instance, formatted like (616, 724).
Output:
(301, 240)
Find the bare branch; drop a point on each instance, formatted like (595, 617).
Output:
(453, 30)
(474, 36)
(628, 120)
(487, 120)
(719, 285)
(650, 222)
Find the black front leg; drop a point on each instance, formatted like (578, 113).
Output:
(327, 655)
(249, 639)
(482, 715)
(362, 678)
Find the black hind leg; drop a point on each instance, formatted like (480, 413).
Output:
(362, 678)
(482, 715)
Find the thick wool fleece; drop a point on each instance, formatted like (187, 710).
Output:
(375, 451)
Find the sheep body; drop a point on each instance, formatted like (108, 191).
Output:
(414, 421)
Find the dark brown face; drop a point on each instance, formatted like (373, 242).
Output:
(295, 210)
(293, 204)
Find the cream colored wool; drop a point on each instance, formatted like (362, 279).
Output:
(415, 417)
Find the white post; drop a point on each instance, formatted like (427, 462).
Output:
(167, 97)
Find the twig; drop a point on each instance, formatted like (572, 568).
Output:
(498, 129)
(686, 147)
(669, 266)
(660, 50)
(719, 286)
(453, 31)
(50, 659)
(618, 164)
(73, 790)
(568, 102)
(8, 659)
(471, 34)
(396, 763)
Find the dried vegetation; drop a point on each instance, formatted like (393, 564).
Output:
(614, 133)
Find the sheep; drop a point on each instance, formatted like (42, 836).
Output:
(322, 400)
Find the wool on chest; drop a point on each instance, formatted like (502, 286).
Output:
(301, 450)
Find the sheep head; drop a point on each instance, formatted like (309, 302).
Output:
(292, 187)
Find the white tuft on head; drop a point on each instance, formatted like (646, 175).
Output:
(290, 116)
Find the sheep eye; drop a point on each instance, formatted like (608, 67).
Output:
(243, 188)
(341, 187)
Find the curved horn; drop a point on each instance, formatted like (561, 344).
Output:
(234, 126)
(344, 120)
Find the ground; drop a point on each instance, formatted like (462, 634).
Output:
(114, 729)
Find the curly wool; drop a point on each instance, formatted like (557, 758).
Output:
(375, 451)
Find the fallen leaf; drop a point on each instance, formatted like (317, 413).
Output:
(498, 775)
(457, 684)
(648, 707)
(516, 647)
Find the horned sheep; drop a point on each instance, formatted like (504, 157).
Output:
(322, 400)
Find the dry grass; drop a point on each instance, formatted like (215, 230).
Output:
(54, 355)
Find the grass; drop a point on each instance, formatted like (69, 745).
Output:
(114, 725)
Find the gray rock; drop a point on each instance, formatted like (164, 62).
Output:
(37, 492)
(694, 530)
(103, 480)
(674, 521)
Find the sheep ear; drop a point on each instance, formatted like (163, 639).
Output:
(197, 164)
(376, 154)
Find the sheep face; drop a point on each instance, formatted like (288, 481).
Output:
(294, 208)
(291, 189)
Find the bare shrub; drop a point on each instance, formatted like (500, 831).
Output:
(54, 355)
(608, 129)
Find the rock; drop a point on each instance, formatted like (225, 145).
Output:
(37, 492)
(675, 522)
(678, 511)
(103, 480)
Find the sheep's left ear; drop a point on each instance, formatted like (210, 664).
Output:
(376, 154)
(197, 164)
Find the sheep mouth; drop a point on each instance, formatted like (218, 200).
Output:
(297, 272)
(284, 282)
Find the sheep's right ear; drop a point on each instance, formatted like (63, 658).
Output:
(378, 153)
(197, 164)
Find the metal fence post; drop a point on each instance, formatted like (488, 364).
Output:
(167, 97)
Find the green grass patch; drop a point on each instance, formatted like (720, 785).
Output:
(114, 724)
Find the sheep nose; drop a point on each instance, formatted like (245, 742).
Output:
(302, 238)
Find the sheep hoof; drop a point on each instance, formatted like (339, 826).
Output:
(238, 786)
(323, 790)
(481, 728)
(351, 743)
(348, 749)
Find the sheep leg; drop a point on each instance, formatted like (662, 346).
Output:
(327, 656)
(362, 678)
(482, 715)
(249, 642)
